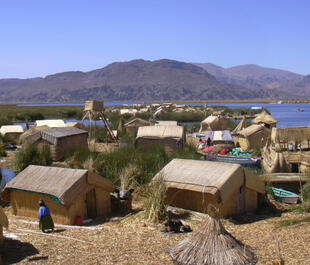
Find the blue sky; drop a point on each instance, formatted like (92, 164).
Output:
(41, 37)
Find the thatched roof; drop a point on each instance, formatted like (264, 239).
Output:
(3, 219)
(213, 123)
(53, 134)
(211, 245)
(219, 179)
(33, 134)
(76, 125)
(50, 123)
(166, 123)
(137, 122)
(264, 117)
(66, 185)
(252, 129)
(242, 124)
(11, 129)
(160, 132)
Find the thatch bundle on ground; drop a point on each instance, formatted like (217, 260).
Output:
(3, 223)
(172, 137)
(211, 245)
(266, 119)
(50, 123)
(194, 185)
(133, 125)
(68, 193)
(213, 123)
(254, 136)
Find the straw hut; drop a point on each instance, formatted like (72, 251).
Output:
(76, 125)
(254, 136)
(266, 119)
(11, 132)
(166, 123)
(133, 125)
(211, 245)
(50, 123)
(69, 193)
(32, 134)
(172, 137)
(4, 222)
(213, 123)
(195, 184)
(61, 140)
(242, 125)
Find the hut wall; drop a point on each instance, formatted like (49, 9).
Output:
(26, 204)
(77, 209)
(305, 167)
(244, 143)
(103, 202)
(67, 144)
(251, 200)
(1, 237)
(170, 144)
(198, 201)
(258, 139)
(132, 130)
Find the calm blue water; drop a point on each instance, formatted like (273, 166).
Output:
(286, 114)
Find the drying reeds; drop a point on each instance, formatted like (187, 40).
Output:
(155, 207)
(212, 244)
(131, 177)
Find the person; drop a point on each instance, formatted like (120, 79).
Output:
(45, 220)
(208, 141)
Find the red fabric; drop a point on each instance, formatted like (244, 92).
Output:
(224, 151)
(208, 149)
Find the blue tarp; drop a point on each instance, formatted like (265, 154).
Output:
(7, 176)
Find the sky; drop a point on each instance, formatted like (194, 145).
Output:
(42, 37)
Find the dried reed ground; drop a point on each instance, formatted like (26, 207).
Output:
(128, 242)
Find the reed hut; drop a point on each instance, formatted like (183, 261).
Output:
(213, 123)
(76, 125)
(211, 245)
(242, 125)
(133, 125)
(32, 135)
(4, 222)
(166, 123)
(172, 137)
(69, 193)
(12, 132)
(61, 140)
(265, 119)
(50, 123)
(252, 137)
(195, 184)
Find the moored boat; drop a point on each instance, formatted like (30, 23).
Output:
(244, 161)
(285, 196)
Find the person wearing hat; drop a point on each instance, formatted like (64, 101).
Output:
(45, 220)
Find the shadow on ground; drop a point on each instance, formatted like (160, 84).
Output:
(14, 251)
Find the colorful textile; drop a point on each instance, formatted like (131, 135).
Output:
(208, 149)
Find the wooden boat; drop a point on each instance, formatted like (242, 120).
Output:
(285, 196)
(300, 110)
(243, 161)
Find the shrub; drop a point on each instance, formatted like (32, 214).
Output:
(32, 155)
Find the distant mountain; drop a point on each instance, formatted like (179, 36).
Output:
(300, 87)
(133, 80)
(253, 76)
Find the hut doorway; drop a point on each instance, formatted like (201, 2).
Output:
(295, 167)
(91, 203)
(241, 200)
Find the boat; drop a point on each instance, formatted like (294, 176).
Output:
(300, 110)
(285, 196)
(243, 161)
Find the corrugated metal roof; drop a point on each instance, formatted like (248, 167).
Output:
(160, 132)
(53, 134)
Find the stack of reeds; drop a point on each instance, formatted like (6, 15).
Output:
(212, 244)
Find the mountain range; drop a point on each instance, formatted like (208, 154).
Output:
(159, 80)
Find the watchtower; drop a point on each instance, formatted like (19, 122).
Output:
(94, 110)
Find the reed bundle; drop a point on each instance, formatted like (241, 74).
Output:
(212, 244)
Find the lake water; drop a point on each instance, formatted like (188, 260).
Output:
(286, 114)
